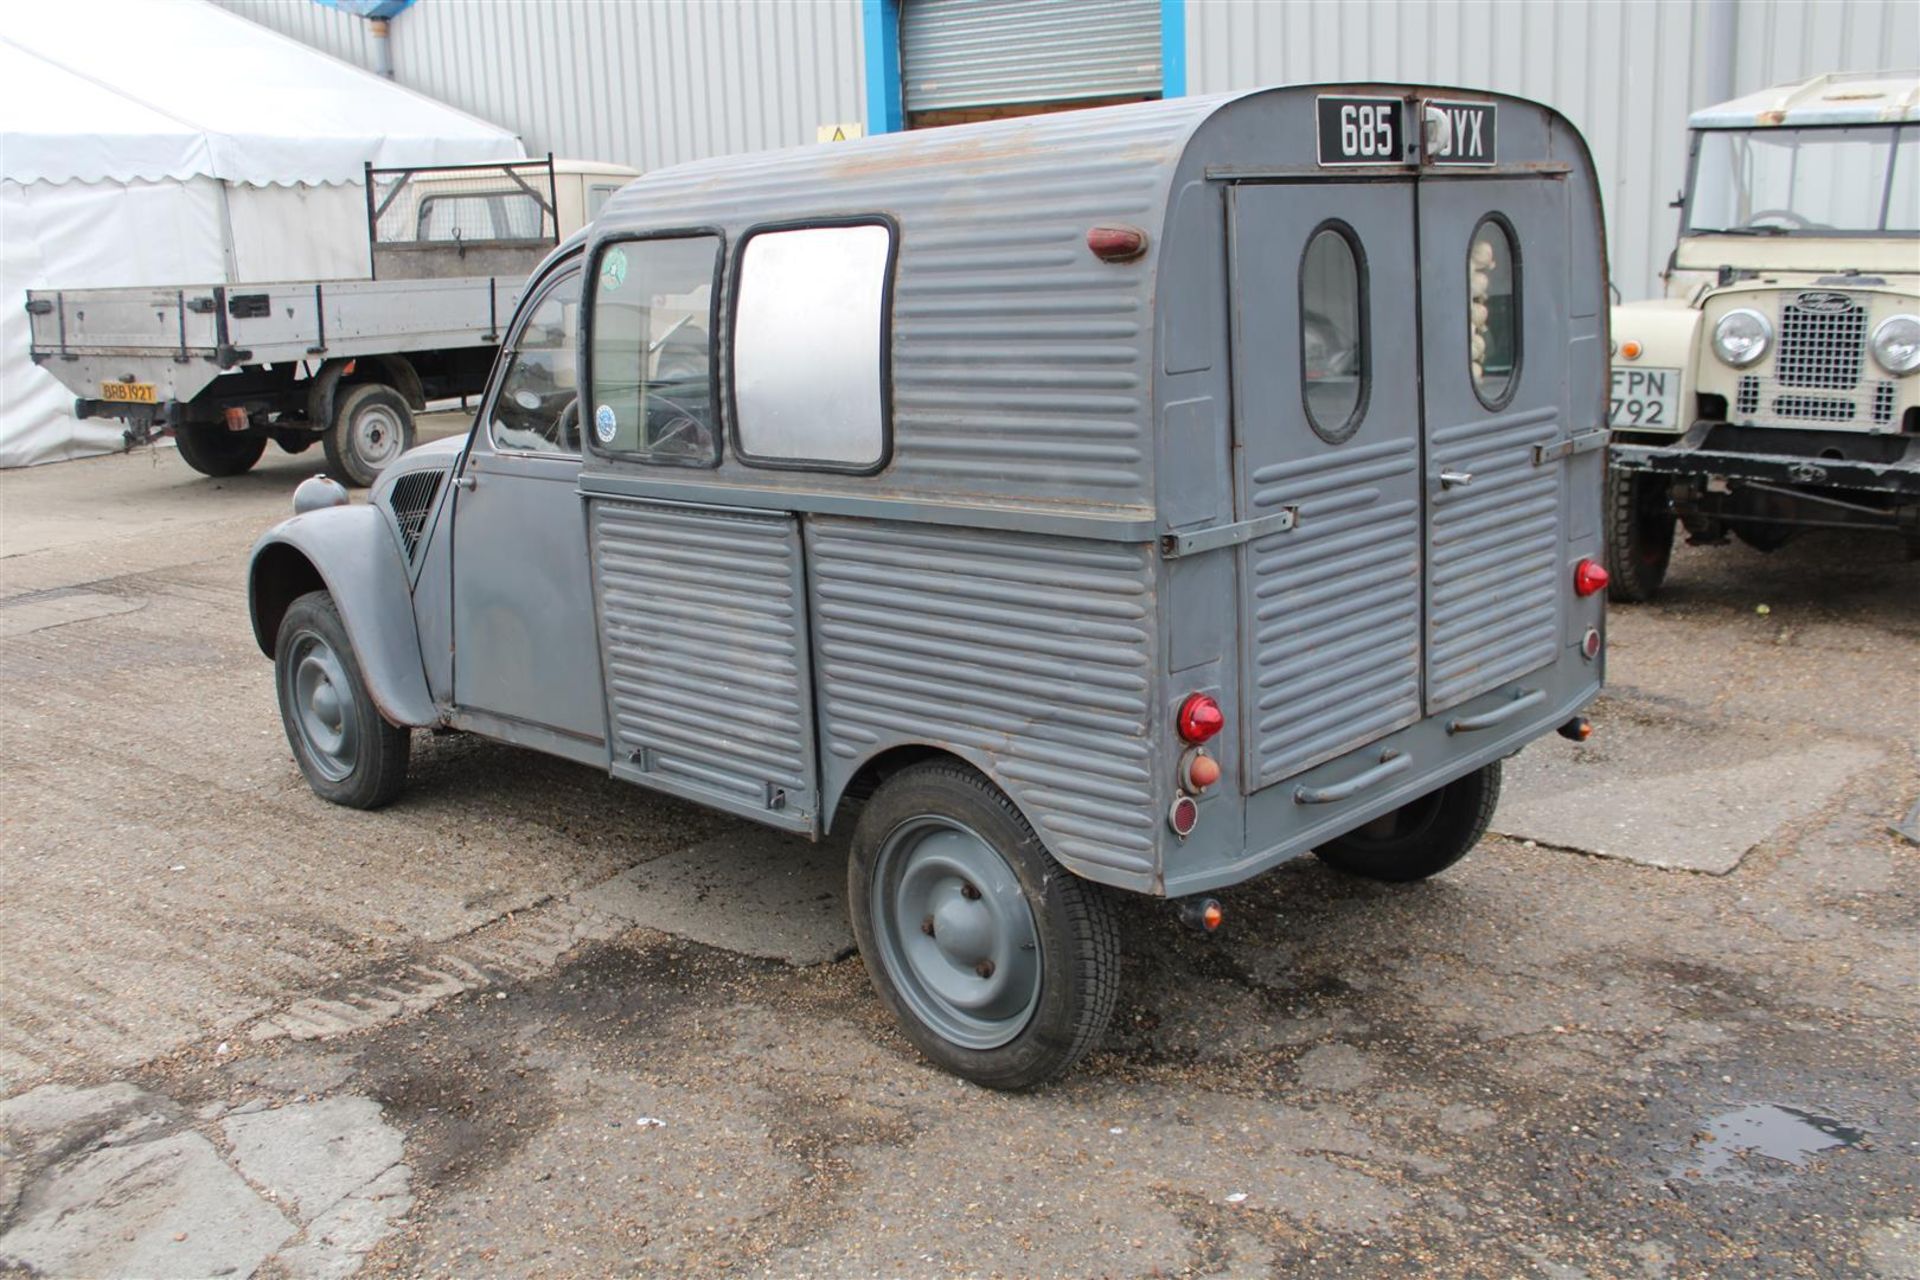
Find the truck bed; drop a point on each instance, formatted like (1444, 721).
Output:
(177, 340)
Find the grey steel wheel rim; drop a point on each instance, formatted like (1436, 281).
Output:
(955, 932)
(376, 435)
(320, 703)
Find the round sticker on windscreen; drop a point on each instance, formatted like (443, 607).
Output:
(613, 269)
(604, 423)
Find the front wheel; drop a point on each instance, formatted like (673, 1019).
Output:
(1422, 837)
(999, 965)
(212, 450)
(371, 426)
(348, 752)
(1640, 521)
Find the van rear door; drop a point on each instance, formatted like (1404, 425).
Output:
(1327, 418)
(1494, 281)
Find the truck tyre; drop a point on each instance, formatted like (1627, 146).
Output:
(371, 426)
(212, 450)
(999, 965)
(1422, 837)
(350, 755)
(1640, 522)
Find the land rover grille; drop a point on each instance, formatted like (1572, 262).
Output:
(1817, 367)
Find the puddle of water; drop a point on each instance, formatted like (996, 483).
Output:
(1786, 1134)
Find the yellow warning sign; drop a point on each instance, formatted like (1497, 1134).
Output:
(839, 132)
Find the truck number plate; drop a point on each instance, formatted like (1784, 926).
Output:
(1360, 130)
(1645, 398)
(129, 392)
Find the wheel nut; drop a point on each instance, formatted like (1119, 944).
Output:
(984, 968)
(926, 926)
(968, 892)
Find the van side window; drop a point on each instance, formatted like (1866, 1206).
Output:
(1493, 311)
(1333, 332)
(650, 356)
(810, 347)
(538, 407)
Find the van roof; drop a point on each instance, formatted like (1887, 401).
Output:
(1854, 97)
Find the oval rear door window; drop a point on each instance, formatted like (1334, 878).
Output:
(1493, 311)
(1333, 338)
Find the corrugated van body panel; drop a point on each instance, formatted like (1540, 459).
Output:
(704, 647)
(1032, 657)
(1020, 363)
(1335, 605)
(1494, 556)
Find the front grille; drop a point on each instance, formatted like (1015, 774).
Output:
(1884, 396)
(413, 496)
(1748, 398)
(1821, 338)
(1813, 408)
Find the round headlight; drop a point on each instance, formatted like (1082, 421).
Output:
(1896, 344)
(1741, 337)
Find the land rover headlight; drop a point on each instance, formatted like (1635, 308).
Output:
(1742, 337)
(1896, 345)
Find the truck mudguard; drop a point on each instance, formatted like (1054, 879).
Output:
(351, 553)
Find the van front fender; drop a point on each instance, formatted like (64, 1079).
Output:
(349, 552)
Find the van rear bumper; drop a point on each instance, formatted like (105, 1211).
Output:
(1332, 798)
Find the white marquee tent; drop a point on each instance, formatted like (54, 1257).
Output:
(221, 152)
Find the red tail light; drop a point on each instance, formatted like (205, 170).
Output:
(1117, 244)
(1588, 577)
(1200, 718)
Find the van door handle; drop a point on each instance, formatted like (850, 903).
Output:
(1521, 700)
(1455, 479)
(463, 482)
(1391, 762)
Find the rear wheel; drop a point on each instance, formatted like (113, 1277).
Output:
(212, 450)
(1000, 966)
(1640, 523)
(348, 752)
(372, 426)
(1422, 837)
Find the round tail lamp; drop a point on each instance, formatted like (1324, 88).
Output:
(1200, 719)
(1589, 576)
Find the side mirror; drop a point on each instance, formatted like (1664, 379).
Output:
(1679, 201)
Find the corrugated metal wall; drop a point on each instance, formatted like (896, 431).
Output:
(655, 83)
(641, 84)
(1626, 72)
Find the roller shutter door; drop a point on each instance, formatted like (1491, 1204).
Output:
(960, 54)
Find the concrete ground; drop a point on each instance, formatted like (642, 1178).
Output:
(529, 1021)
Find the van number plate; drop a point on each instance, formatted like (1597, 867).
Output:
(129, 392)
(1645, 398)
(1361, 130)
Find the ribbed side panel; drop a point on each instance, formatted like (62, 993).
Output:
(1036, 654)
(1021, 364)
(971, 53)
(1494, 560)
(1335, 656)
(704, 642)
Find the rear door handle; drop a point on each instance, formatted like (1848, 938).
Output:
(1391, 763)
(1521, 700)
(1455, 479)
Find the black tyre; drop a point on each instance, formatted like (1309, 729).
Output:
(349, 753)
(1000, 966)
(371, 426)
(1640, 522)
(1423, 837)
(212, 450)
(291, 441)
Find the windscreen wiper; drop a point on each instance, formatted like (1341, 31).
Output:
(1739, 231)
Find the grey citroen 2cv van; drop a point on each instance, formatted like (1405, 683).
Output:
(1129, 499)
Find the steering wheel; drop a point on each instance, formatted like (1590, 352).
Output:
(566, 432)
(684, 435)
(1794, 221)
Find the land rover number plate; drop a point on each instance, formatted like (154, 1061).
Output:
(1361, 130)
(1645, 398)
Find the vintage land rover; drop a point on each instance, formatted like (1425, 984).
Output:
(1131, 499)
(1771, 390)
